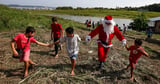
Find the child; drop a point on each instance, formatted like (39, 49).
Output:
(23, 40)
(56, 34)
(136, 51)
(71, 40)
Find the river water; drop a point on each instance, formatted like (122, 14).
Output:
(82, 19)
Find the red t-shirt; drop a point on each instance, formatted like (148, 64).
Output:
(134, 53)
(21, 41)
(56, 28)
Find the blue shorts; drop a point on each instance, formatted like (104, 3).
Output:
(74, 56)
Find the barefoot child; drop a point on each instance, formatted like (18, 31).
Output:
(136, 51)
(56, 33)
(22, 41)
(71, 40)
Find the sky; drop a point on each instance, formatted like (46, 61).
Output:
(82, 3)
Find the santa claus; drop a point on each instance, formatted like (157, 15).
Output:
(107, 30)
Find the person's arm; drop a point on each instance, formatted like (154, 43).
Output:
(15, 53)
(93, 33)
(51, 35)
(144, 52)
(126, 46)
(61, 30)
(56, 42)
(62, 33)
(43, 44)
(120, 36)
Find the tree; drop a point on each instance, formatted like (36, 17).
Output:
(139, 23)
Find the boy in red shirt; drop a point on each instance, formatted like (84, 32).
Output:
(136, 51)
(22, 41)
(56, 32)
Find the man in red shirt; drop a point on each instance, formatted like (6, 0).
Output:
(56, 33)
(136, 51)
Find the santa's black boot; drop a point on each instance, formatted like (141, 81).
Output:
(100, 65)
(103, 65)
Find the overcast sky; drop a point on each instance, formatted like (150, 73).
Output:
(83, 3)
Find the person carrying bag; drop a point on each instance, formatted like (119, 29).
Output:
(20, 51)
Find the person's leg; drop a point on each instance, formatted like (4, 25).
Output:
(129, 65)
(31, 62)
(73, 61)
(56, 50)
(105, 54)
(56, 47)
(132, 68)
(25, 59)
(60, 46)
(100, 55)
(26, 64)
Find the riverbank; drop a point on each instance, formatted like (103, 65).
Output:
(100, 13)
(50, 70)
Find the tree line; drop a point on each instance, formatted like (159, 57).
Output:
(153, 7)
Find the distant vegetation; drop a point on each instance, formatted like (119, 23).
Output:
(19, 19)
(11, 19)
(153, 7)
(126, 12)
(139, 23)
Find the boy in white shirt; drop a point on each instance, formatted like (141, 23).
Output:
(72, 47)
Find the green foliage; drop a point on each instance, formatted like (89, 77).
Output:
(153, 7)
(69, 7)
(120, 13)
(12, 19)
(139, 23)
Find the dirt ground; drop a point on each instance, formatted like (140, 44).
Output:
(57, 71)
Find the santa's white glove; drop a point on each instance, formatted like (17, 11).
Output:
(124, 42)
(88, 38)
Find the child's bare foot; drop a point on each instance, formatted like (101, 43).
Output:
(131, 78)
(25, 75)
(56, 56)
(72, 73)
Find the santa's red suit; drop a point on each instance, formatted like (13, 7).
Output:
(106, 31)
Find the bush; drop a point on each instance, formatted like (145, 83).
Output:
(139, 23)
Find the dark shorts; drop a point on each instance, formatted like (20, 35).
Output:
(74, 56)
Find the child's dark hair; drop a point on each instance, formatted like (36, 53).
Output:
(30, 29)
(138, 41)
(54, 18)
(69, 30)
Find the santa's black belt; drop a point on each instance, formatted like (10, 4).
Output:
(103, 42)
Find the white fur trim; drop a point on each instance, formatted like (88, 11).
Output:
(109, 21)
(106, 46)
(108, 28)
(101, 21)
(124, 41)
(88, 38)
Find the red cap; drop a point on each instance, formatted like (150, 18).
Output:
(108, 17)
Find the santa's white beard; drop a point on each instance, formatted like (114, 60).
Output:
(108, 28)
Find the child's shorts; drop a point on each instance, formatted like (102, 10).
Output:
(74, 56)
(25, 56)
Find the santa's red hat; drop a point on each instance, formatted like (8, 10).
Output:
(108, 19)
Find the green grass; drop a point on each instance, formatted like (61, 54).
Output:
(99, 13)
(13, 19)
(142, 34)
